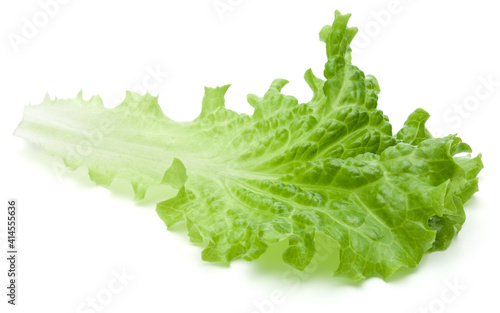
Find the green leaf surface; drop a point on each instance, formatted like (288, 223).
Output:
(289, 172)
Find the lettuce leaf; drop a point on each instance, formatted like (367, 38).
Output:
(289, 172)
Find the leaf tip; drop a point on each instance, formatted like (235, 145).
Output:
(175, 176)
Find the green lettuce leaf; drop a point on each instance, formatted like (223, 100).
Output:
(289, 172)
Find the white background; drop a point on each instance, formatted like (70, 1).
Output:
(74, 236)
